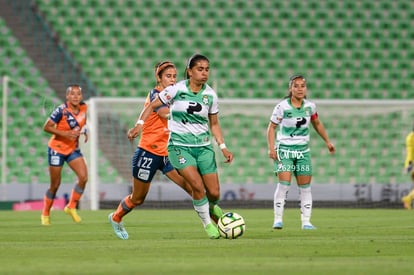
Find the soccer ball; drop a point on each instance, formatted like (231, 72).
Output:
(231, 225)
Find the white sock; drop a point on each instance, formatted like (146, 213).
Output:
(202, 209)
(305, 204)
(279, 200)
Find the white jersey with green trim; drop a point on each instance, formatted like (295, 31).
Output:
(293, 122)
(188, 122)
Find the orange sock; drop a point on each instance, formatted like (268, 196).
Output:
(124, 207)
(75, 196)
(47, 203)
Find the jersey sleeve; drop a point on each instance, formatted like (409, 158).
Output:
(277, 114)
(57, 114)
(168, 94)
(152, 95)
(214, 108)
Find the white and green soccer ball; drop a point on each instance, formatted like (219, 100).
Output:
(231, 225)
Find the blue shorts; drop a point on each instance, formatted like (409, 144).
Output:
(58, 159)
(146, 164)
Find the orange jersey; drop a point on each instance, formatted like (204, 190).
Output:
(155, 133)
(66, 120)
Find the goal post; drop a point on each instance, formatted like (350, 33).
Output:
(369, 136)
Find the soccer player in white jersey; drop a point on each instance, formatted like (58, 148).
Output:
(193, 115)
(289, 148)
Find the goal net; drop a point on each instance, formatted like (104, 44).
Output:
(369, 136)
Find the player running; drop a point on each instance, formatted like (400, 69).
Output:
(194, 112)
(151, 154)
(66, 124)
(291, 153)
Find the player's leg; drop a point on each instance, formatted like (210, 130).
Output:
(183, 160)
(283, 171)
(140, 190)
(279, 198)
(175, 177)
(56, 162)
(303, 171)
(206, 162)
(78, 165)
(212, 185)
(408, 199)
(144, 167)
(137, 197)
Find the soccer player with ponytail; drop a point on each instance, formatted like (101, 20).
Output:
(151, 153)
(193, 122)
(291, 153)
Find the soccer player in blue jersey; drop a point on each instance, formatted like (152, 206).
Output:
(289, 148)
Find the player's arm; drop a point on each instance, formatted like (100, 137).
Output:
(218, 135)
(85, 132)
(271, 130)
(320, 129)
(146, 112)
(50, 127)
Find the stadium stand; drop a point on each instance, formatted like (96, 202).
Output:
(30, 102)
(325, 40)
(347, 50)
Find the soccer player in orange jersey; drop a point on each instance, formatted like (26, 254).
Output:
(151, 154)
(66, 124)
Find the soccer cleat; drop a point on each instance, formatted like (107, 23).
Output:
(45, 220)
(308, 227)
(118, 227)
(216, 213)
(212, 231)
(406, 200)
(72, 212)
(278, 225)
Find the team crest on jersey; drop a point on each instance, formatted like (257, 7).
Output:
(205, 100)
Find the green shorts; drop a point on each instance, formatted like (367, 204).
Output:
(294, 159)
(204, 158)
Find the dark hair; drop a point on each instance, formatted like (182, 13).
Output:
(161, 66)
(291, 79)
(192, 61)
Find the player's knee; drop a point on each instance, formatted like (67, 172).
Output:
(82, 179)
(137, 201)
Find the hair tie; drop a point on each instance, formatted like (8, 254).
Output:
(162, 66)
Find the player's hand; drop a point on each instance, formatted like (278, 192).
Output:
(86, 136)
(134, 132)
(331, 147)
(273, 154)
(410, 167)
(227, 155)
(72, 134)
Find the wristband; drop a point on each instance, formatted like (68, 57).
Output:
(222, 146)
(139, 122)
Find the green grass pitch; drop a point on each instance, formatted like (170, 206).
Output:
(347, 241)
